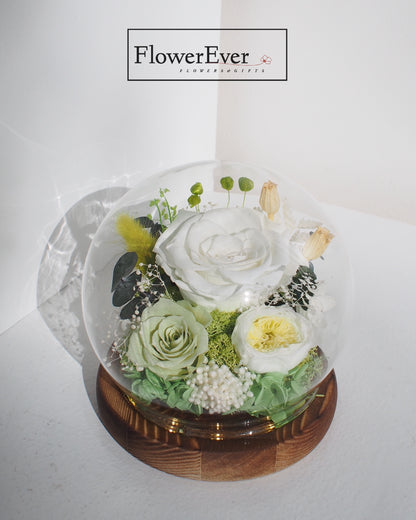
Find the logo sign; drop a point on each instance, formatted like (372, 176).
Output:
(207, 55)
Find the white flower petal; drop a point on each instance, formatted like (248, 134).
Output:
(217, 256)
(281, 359)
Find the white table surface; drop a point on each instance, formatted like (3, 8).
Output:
(58, 461)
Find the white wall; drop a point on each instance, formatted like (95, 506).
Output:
(344, 125)
(71, 124)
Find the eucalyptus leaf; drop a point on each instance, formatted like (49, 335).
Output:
(154, 227)
(126, 289)
(123, 267)
(145, 222)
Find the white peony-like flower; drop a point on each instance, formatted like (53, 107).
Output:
(272, 339)
(224, 258)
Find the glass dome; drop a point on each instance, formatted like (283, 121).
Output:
(215, 295)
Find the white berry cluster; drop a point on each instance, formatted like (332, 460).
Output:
(217, 389)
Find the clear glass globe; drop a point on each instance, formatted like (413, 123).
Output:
(215, 295)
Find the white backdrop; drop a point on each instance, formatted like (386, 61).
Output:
(343, 126)
(70, 123)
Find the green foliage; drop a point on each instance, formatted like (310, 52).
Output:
(149, 387)
(227, 183)
(123, 268)
(275, 394)
(166, 212)
(245, 184)
(133, 291)
(194, 200)
(154, 228)
(299, 291)
(196, 189)
(280, 395)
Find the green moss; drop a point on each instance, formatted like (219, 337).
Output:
(222, 322)
(222, 351)
(220, 348)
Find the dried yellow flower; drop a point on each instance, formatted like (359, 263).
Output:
(137, 239)
(317, 243)
(269, 199)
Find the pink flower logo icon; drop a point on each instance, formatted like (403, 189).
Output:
(265, 59)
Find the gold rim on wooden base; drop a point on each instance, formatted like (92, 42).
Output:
(208, 459)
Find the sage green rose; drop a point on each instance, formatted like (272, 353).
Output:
(171, 339)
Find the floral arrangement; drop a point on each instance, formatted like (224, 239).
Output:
(222, 304)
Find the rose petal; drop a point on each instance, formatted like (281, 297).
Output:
(215, 256)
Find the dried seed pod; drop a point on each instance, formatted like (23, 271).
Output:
(317, 243)
(269, 199)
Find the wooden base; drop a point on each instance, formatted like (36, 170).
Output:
(209, 459)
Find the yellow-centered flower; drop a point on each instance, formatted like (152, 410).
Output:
(268, 333)
(269, 199)
(317, 243)
(272, 339)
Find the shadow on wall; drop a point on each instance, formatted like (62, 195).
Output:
(60, 277)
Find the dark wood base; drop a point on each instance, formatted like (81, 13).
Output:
(198, 458)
